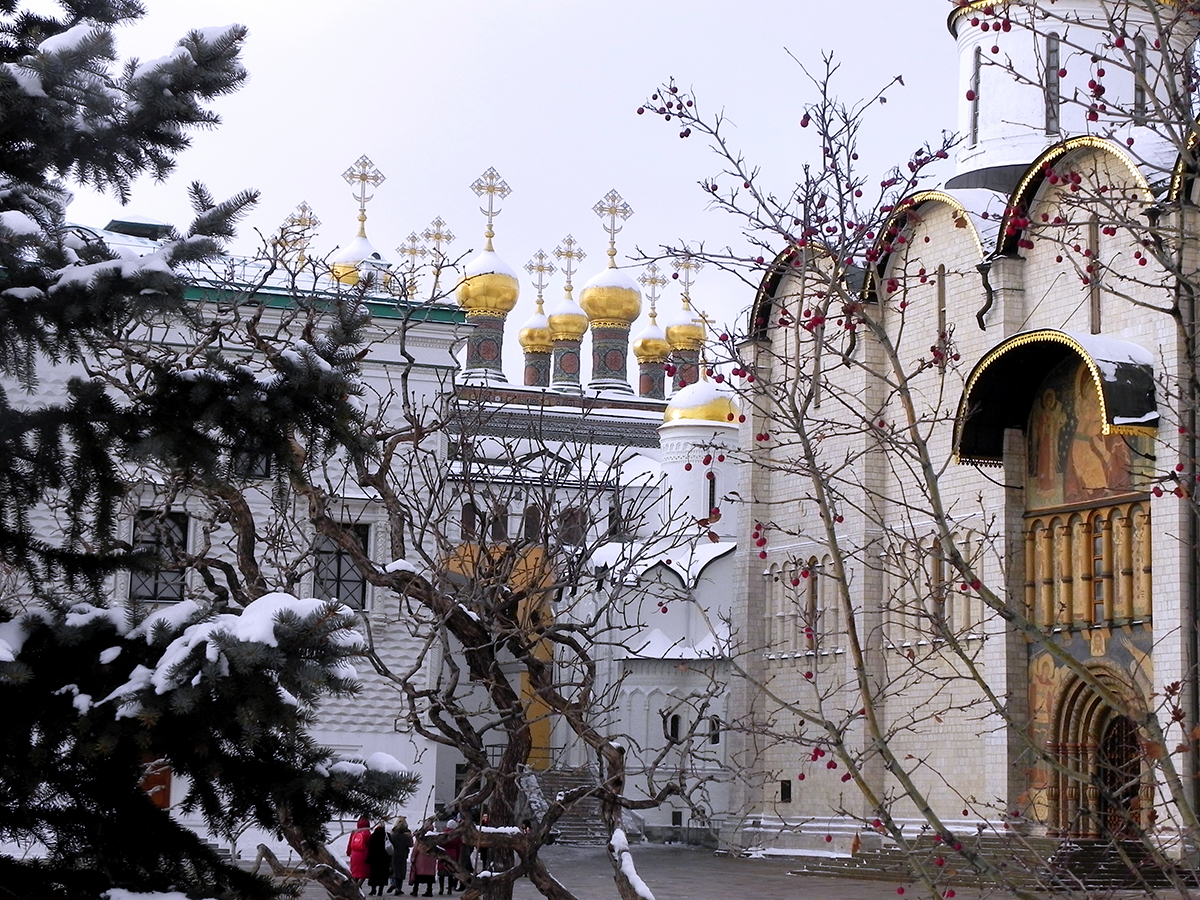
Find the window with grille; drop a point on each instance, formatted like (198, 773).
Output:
(335, 576)
(157, 536)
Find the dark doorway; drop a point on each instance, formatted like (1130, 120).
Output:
(1119, 776)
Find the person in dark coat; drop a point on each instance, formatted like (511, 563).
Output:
(379, 861)
(356, 849)
(402, 841)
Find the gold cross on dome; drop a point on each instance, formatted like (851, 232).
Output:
(437, 234)
(686, 266)
(296, 230)
(571, 255)
(494, 186)
(363, 172)
(652, 279)
(303, 217)
(541, 269)
(413, 249)
(612, 207)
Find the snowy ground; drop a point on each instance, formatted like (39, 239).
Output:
(683, 873)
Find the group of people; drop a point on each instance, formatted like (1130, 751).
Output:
(381, 859)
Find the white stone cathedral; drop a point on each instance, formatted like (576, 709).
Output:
(1051, 404)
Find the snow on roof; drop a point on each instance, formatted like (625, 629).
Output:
(640, 469)
(687, 560)
(655, 644)
(1107, 349)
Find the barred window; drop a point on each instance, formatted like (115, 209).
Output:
(158, 535)
(335, 576)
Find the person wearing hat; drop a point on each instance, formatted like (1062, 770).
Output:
(401, 839)
(357, 849)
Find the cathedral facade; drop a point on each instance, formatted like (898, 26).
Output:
(978, 548)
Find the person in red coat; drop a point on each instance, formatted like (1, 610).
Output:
(422, 869)
(445, 867)
(357, 848)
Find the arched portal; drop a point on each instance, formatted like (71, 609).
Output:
(1101, 788)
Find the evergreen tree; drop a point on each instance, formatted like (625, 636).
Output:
(92, 691)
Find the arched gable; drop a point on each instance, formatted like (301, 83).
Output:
(790, 259)
(1000, 390)
(900, 221)
(1016, 221)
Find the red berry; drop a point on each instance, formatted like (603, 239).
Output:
(687, 467)
(828, 838)
(970, 95)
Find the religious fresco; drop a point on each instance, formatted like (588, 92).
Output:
(1070, 459)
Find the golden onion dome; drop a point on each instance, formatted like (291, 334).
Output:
(568, 321)
(488, 285)
(612, 296)
(652, 344)
(344, 267)
(686, 332)
(535, 336)
(705, 402)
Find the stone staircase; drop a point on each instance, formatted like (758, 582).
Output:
(581, 824)
(1036, 863)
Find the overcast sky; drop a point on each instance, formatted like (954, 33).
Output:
(436, 91)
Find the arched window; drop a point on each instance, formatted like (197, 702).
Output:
(531, 525)
(498, 527)
(673, 727)
(1053, 84)
(468, 524)
(574, 525)
(714, 729)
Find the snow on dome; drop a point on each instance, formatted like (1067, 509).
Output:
(358, 250)
(613, 278)
(612, 296)
(535, 335)
(568, 321)
(486, 263)
(652, 344)
(705, 401)
(489, 286)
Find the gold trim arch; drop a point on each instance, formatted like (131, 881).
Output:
(1000, 389)
(1031, 182)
